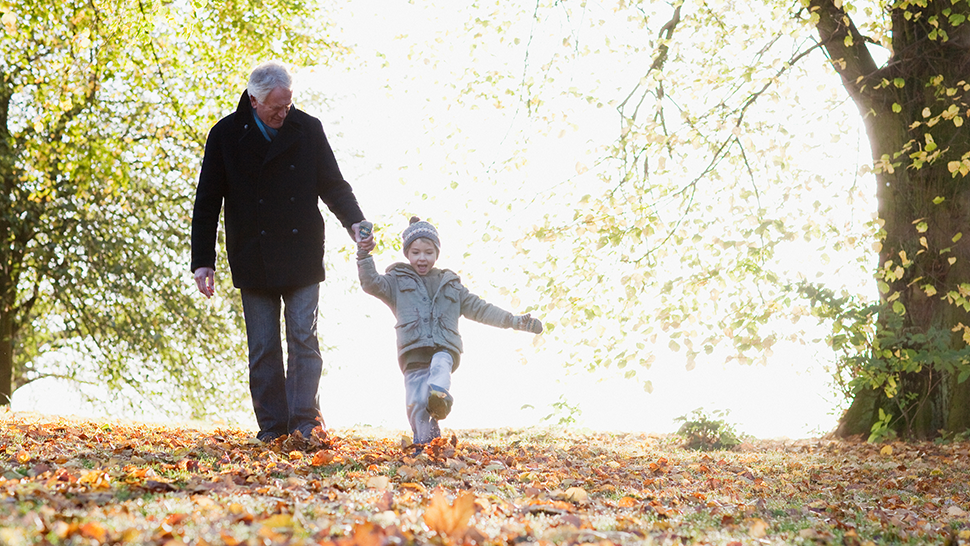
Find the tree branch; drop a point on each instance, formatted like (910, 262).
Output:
(846, 48)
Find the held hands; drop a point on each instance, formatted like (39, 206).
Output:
(364, 236)
(526, 323)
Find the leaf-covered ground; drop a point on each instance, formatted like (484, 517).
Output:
(82, 482)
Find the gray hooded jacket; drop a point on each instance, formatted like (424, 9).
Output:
(423, 319)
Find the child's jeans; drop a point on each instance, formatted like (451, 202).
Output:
(416, 390)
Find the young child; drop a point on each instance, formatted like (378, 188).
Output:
(427, 302)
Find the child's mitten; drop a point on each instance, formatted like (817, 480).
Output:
(526, 323)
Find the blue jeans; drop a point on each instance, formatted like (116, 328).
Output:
(285, 400)
(416, 390)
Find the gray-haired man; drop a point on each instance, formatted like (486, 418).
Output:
(268, 163)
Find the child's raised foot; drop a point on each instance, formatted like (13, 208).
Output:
(439, 402)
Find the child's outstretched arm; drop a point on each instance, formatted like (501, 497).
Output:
(479, 310)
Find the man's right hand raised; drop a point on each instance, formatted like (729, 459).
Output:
(205, 279)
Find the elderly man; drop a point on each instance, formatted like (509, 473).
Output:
(268, 162)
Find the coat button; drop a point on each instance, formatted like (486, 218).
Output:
(246, 126)
(292, 167)
(426, 320)
(430, 336)
(262, 232)
(292, 199)
(261, 201)
(295, 231)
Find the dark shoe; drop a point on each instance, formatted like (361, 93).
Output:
(267, 436)
(439, 402)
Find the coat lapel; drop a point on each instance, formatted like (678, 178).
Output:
(290, 133)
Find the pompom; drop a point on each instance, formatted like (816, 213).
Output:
(414, 219)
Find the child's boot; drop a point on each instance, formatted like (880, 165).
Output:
(439, 402)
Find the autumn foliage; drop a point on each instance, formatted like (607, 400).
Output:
(83, 482)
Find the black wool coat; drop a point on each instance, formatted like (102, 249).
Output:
(274, 229)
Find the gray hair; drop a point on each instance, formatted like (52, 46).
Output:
(266, 77)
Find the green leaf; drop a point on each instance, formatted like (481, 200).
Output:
(899, 82)
(897, 108)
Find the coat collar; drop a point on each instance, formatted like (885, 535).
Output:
(289, 133)
(405, 270)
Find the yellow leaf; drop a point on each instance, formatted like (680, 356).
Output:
(277, 521)
(886, 450)
(577, 495)
(449, 520)
(378, 482)
(758, 529)
(9, 21)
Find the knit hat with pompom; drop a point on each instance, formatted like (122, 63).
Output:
(419, 229)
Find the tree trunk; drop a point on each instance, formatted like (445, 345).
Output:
(6, 358)
(914, 111)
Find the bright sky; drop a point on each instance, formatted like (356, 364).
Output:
(385, 122)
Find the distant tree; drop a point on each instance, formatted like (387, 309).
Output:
(104, 109)
(725, 167)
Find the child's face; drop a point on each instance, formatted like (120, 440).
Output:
(422, 255)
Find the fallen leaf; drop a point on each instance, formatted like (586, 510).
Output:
(886, 450)
(627, 502)
(93, 530)
(577, 495)
(321, 458)
(758, 529)
(956, 512)
(278, 521)
(378, 482)
(449, 520)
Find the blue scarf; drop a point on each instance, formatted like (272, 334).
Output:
(268, 132)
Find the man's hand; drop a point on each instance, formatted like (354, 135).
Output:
(205, 279)
(366, 244)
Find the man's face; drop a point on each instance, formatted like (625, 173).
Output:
(422, 255)
(272, 112)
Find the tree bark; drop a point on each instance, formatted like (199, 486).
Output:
(924, 208)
